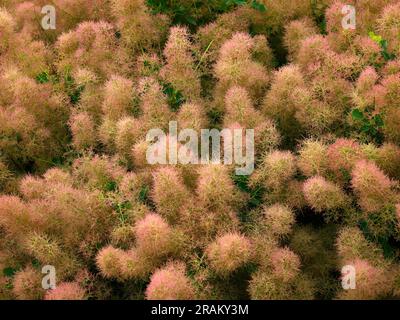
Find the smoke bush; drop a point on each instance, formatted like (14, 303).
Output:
(285, 264)
(371, 282)
(169, 193)
(264, 286)
(155, 238)
(342, 156)
(78, 192)
(83, 131)
(323, 195)
(88, 46)
(236, 67)
(278, 168)
(372, 186)
(139, 29)
(280, 102)
(279, 220)
(312, 158)
(295, 32)
(118, 96)
(170, 283)
(179, 70)
(27, 285)
(66, 291)
(215, 189)
(228, 252)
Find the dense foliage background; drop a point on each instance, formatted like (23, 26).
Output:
(76, 103)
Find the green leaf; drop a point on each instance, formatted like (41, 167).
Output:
(36, 264)
(389, 251)
(143, 195)
(378, 120)
(366, 128)
(43, 77)
(241, 182)
(9, 272)
(175, 97)
(258, 6)
(239, 2)
(110, 186)
(357, 114)
(388, 56)
(191, 20)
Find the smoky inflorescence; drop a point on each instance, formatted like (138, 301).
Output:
(105, 108)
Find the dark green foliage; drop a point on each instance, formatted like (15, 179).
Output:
(318, 9)
(242, 182)
(387, 244)
(73, 90)
(197, 13)
(43, 77)
(258, 6)
(175, 97)
(9, 272)
(369, 125)
(144, 195)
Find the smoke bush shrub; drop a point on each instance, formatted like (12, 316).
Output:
(278, 168)
(388, 160)
(110, 262)
(118, 97)
(239, 108)
(139, 29)
(170, 193)
(49, 252)
(27, 285)
(15, 217)
(285, 264)
(215, 189)
(154, 104)
(128, 131)
(264, 286)
(97, 172)
(192, 116)
(312, 158)
(342, 156)
(324, 196)
(77, 191)
(371, 282)
(66, 291)
(179, 70)
(90, 46)
(155, 238)
(203, 225)
(228, 252)
(372, 186)
(236, 67)
(6, 176)
(351, 244)
(170, 283)
(280, 102)
(364, 94)
(211, 37)
(279, 220)
(83, 131)
(295, 32)
(388, 24)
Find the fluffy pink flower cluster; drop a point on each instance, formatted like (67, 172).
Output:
(77, 192)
